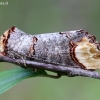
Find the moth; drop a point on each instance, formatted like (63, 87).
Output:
(75, 48)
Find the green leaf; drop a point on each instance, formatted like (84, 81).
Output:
(10, 78)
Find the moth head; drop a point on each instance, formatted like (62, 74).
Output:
(3, 42)
(4, 39)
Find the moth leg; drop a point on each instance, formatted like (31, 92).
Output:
(53, 76)
(47, 75)
(18, 56)
(24, 61)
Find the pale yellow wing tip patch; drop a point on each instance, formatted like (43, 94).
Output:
(88, 54)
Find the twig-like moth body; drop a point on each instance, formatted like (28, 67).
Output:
(70, 48)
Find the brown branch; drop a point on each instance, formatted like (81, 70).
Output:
(69, 71)
(71, 53)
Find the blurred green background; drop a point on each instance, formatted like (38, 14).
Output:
(42, 16)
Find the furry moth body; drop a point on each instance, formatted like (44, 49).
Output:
(70, 48)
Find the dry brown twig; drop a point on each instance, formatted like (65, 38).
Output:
(71, 53)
